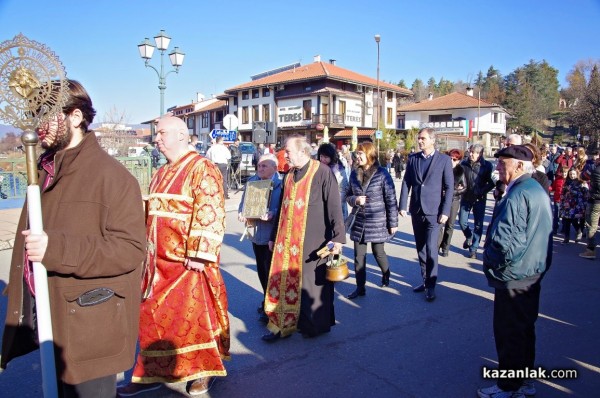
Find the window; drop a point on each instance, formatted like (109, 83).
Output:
(266, 113)
(342, 108)
(255, 93)
(307, 109)
(190, 122)
(440, 118)
(325, 109)
(255, 113)
(389, 112)
(266, 92)
(235, 101)
(495, 117)
(390, 96)
(244, 115)
(244, 95)
(205, 119)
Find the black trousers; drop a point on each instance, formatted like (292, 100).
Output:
(360, 259)
(515, 313)
(447, 229)
(427, 231)
(263, 264)
(103, 387)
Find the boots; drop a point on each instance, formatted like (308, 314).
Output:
(385, 279)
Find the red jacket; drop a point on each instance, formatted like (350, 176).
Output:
(557, 186)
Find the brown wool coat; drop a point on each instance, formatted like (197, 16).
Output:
(93, 215)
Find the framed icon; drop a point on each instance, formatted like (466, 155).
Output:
(256, 198)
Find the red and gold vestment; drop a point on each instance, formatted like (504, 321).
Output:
(184, 326)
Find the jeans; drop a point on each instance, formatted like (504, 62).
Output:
(592, 215)
(555, 217)
(478, 216)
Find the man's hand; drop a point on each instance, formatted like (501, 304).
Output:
(191, 264)
(392, 230)
(241, 218)
(337, 248)
(402, 213)
(35, 245)
(267, 216)
(443, 219)
(271, 245)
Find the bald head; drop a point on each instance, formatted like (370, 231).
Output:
(172, 123)
(172, 137)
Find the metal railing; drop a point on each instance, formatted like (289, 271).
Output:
(13, 174)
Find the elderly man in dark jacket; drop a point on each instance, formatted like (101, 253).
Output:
(373, 197)
(478, 173)
(517, 253)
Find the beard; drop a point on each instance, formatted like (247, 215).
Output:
(56, 135)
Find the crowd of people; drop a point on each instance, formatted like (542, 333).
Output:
(103, 253)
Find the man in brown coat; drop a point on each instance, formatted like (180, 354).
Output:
(93, 246)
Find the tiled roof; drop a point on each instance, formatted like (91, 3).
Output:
(450, 101)
(318, 70)
(347, 133)
(211, 107)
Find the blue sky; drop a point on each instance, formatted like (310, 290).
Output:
(227, 41)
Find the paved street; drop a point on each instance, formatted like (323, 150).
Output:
(390, 343)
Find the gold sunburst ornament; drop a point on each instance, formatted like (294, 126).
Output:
(33, 83)
(33, 89)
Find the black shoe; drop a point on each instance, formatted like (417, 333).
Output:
(385, 279)
(419, 289)
(355, 294)
(271, 337)
(473, 255)
(467, 243)
(430, 294)
(263, 318)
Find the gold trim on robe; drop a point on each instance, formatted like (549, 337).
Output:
(282, 300)
(184, 325)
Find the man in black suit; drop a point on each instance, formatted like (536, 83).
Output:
(430, 182)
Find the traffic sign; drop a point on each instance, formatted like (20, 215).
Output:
(231, 121)
(378, 134)
(228, 135)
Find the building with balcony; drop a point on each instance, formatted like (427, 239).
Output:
(306, 99)
(458, 119)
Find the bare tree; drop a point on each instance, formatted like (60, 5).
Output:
(114, 135)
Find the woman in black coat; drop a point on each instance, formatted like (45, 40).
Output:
(373, 199)
(460, 186)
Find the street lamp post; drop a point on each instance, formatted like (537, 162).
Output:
(162, 43)
(377, 40)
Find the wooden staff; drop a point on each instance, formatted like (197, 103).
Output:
(40, 276)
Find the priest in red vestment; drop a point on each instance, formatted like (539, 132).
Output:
(184, 326)
(299, 297)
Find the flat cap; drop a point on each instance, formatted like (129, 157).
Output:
(519, 152)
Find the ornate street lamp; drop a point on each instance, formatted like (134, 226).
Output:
(146, 49)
